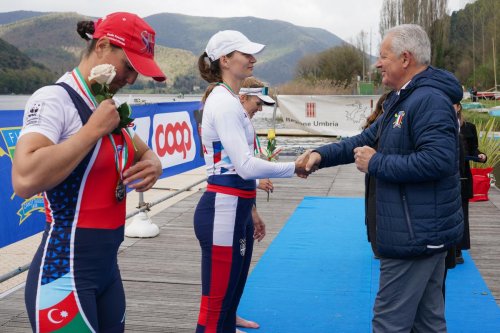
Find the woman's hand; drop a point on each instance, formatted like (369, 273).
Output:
(266, 185)
(259, 226)
(142, 175)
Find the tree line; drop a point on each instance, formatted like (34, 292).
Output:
(18, 73)
(464, 42)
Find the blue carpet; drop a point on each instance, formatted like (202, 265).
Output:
(319, 276)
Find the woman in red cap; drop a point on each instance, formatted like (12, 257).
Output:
(68, 150)
(223, 217)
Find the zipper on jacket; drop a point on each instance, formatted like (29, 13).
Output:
(407, 213)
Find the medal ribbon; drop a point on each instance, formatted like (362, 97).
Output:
(77, 76)
(256, 145)
(256, 142)
(225, 85)
(120, 157)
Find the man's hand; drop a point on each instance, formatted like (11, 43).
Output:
(362, 156)
(307, 163)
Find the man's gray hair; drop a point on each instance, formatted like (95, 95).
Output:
(411, 38)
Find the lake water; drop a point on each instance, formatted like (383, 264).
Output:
(262, 120)
(292, 146)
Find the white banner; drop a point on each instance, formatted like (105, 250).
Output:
(334, 115)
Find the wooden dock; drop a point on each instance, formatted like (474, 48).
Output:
(162, 275)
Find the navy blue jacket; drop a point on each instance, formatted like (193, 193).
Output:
(418, 206)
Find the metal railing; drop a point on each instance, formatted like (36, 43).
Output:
(143, 206)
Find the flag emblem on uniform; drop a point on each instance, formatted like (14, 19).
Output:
(310, 109)
(63, 315)
(399, 119)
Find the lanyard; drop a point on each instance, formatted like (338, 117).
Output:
(121, 156)
(256, 145)
(77, 75)
(225, 85)
(256, 142)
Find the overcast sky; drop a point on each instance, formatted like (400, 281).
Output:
(345, 18)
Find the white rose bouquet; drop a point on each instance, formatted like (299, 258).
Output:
(100, 78)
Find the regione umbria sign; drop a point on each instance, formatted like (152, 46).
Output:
(334, 115)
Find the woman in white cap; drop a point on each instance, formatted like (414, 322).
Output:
(223, 218)
(68, 150)
(253, 95)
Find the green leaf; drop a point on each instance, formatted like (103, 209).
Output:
(124, 110)
(100, 98)
(271, 145)
(97, 89)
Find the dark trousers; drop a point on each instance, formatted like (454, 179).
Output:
(410, 296)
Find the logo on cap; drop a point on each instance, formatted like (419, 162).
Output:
(149, 42)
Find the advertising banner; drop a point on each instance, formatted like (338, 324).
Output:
(331, 115)
(171, 130)
(20, 218)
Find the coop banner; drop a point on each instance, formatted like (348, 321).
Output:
(326, 115)
(170, 129)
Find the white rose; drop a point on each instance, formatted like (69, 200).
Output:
(103, 74)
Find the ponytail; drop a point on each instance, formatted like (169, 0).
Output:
(210, 72)
(86, 29)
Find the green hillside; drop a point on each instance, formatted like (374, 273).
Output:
(51, 39)
(286, 43)
(18, 73)
(18, 15)
(174, 62)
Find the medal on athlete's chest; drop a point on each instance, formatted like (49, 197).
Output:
(120, 191)
(121, 156)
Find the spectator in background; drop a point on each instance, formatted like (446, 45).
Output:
(253, 94)
(469, 151)
(468, 143)
(473, 93)
(370, 215)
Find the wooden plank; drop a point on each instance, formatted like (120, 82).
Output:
(162, 275)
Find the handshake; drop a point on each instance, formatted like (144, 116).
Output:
(307, 163)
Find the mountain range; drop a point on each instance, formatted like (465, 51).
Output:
(51, 39)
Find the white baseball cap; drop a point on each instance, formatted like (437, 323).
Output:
(262, 93)
(227, 41)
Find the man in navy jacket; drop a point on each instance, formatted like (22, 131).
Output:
(413, 153)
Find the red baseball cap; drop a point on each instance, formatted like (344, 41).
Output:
(135, 37)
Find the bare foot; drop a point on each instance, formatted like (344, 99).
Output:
(245, 323)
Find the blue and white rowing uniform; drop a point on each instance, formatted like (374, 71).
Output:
(223, 221)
